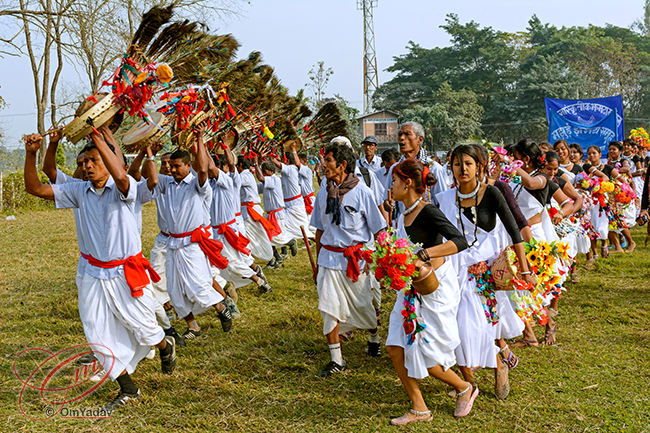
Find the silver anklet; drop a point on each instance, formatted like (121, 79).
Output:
(460, 394)
(416, 413)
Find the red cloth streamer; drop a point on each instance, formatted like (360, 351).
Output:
(354, 254)
(273, 219)
(309, 204)
(237, 241)
(210, 247)
(135, 271)
(268, 227)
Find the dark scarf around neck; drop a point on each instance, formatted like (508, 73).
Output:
(335, 193)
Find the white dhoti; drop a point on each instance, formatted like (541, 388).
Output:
(158, 260)
(284, 237)
(342, 301)
(238, 271)
(189, 281)
(260, 244)
(438, 312)
(119, 327)
(296, 216)
(161, 315)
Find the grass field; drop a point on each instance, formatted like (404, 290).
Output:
(260, 377)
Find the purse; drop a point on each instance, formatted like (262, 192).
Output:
(504, 268)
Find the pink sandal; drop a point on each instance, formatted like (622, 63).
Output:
(463, 408)
(405, 419)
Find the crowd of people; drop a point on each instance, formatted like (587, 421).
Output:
(459, 218)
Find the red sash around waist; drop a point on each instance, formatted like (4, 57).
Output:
(353, 254)
(135, 271)
(273, 219)
(268, 227)
(237, 241)
(309, 204)
(210, 247)
(286, 200)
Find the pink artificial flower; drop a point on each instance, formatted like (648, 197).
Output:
(382, 238)
(402, 243)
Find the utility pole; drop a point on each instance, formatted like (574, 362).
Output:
(370, 78)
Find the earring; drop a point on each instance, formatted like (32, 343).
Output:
(405, 188)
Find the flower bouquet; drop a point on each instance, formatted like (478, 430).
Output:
(392, 262)
(640, 137)
(543, 257)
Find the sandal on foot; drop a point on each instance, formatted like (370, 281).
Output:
(512, 361)
(547, 335)
(522, 342)
(502, 392)
(552, 312)
(463, 408)
(417, 417)
(604, 252)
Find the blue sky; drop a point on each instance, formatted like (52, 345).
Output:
(293, 35)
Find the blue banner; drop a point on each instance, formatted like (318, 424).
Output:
(587, 112)
(599, 134)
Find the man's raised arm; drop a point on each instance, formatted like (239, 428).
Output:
(33, 184)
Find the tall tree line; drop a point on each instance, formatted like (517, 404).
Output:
(492, 84)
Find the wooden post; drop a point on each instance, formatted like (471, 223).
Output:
(1, 203)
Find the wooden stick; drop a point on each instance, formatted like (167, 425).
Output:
(311, 260)
(390, 214)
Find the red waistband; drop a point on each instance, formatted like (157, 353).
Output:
(274, 211)
(182, 235)
(292, 198)
(85, 256)
(224, 224)
(238, 214)
(137, 271)
(311, 194)
(353, 254)
(164, 234)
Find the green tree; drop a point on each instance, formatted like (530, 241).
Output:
(319, 76)
(453, 117)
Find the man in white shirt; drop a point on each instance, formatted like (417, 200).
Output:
(117, 315)
(257, 227)
(388, 157)
(270, 186)
(370, 161)
(345, 217)
(190, 248)
(241, 268)
(306, 183)
(294, 205)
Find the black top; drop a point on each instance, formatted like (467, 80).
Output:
(541, 195)
(646, 160)
(507, 193)
(576, 169)
(636, 159)
(556, 183)
(430, 226)
(492, 204)
(607, 169)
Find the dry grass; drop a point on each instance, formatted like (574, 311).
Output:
(260, 377)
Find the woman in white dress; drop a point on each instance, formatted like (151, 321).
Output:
(532, 195)
(429, 352)
(481, 213)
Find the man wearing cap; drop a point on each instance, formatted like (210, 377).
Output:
(370, 161)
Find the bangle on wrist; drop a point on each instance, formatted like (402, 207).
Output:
(525, 273)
